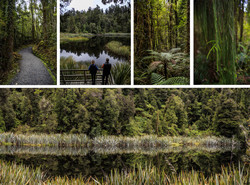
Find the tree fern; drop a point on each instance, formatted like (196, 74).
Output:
(158, 79)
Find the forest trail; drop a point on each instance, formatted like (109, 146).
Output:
(32, 70)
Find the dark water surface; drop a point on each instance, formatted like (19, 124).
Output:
(97, 163)
(93, 49)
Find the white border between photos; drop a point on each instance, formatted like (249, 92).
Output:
(132, 63)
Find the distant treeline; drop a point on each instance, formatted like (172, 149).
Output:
(115, 19)
(129, 112)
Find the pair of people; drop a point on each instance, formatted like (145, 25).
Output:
(106, 71)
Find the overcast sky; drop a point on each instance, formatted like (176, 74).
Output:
(85, 4)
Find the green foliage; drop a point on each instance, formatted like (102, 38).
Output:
(158, 79)
(220, 27)
(139, 174)
(227, 118)
(121, 73)
(27, 22)
(162, 27)
(115, 19)
(118, 49)
(127, 112)
(66, 37)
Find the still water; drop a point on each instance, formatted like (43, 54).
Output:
(99, 162)
(93, 49)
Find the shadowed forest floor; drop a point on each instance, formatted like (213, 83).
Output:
(32, 70)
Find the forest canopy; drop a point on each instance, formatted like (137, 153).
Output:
(115, 19)
(128, 112)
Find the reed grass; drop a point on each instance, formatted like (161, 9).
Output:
(61, 140)
(118, 49)
(151, 141)
(10, 173)
(83, 151)
(70, 63)
(70, 37)
(148, 141)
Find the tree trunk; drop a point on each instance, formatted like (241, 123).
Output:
(241, 19)
(32, 19)
(10, 32)
(45, 21)
(176, 25)
(170, 26)
(188, 27)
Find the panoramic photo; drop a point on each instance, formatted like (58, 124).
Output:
(95, 42)
(162, 42)
(124, 136)
(28, 42)
(222, 42)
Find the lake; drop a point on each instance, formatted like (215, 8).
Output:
(93, 49)
(99, 162)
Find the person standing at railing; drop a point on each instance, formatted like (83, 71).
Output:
(93, 70)
(106, 71)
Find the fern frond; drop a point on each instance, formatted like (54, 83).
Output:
(158, 79)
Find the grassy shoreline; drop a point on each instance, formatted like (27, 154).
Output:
(12, 173)
(81, 140)
(117, 48)
(81, 37)
(83, 151)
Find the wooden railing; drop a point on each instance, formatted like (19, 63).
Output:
(81, 77)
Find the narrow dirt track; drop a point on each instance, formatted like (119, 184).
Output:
(32, 70)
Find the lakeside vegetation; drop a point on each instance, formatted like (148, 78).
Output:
(127, 112)
(72, 37)
(118, 49)
(20, 174)
(27, 22)
(84, 151)
(81, 140)
(121, 71)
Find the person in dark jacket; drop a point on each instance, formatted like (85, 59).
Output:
(93, 70)
(106, 71)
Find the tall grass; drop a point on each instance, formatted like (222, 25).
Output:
(70, 63)
(44, 139)
(70, 37)
(10, 173)
(121, 73)
(152, 175)
(83, 151)
(75, 140)
(152, 141)
(118, 49)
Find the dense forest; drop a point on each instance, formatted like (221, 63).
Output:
(222, 42)
(128, 112)
(115, 19)
(162, 41)
(24, 22)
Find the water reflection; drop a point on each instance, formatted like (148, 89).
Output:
(93, 49)
(98, 162)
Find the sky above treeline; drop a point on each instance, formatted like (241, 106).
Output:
(85, 4)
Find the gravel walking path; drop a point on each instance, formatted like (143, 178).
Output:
(32, 70)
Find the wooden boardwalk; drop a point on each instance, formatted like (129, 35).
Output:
(81, 77)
